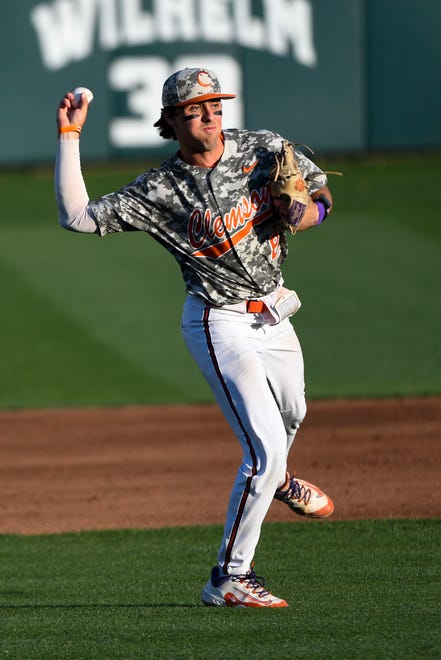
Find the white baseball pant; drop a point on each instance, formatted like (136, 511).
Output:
(256, 373)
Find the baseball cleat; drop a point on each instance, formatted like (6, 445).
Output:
(238, 591)
(304, 498)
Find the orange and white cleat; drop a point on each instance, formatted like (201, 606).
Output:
(247, 590)
(304, 498)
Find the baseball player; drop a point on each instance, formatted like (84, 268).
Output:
(210, 205)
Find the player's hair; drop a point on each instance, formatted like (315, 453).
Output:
(165, 130)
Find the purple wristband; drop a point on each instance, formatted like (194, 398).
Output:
(323, 212)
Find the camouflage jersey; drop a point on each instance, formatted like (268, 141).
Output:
(218, 223)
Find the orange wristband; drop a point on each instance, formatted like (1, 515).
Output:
(68, 129)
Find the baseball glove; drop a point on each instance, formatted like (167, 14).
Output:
(287, 182)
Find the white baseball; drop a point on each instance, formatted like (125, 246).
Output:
(82, 90)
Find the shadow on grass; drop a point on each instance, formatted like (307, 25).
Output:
(95, 606)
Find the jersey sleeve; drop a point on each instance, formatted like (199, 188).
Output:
(128, 209)
(311, 172)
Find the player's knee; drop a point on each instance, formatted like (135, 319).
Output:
(275, 464)
(294, 416)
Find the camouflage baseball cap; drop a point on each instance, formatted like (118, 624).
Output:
(189, 85)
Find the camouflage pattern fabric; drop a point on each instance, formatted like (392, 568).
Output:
(218, 223)
(189, 84)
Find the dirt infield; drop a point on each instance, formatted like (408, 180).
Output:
(145, 467)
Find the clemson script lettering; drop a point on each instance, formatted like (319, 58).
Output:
(213, 236)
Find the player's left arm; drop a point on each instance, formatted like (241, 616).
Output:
(317, 211)
(299, 189)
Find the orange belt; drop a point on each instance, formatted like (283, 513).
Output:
(256, 306)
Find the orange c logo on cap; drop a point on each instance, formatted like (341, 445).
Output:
(200, 79)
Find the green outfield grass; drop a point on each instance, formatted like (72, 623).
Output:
(355, 589)
(96, 321)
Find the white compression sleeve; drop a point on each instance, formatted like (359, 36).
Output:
(70, 189)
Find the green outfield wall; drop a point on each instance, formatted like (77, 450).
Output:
(340, 75)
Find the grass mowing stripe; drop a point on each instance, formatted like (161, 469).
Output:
(356, 589)
(373, 346)
(38, 370)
